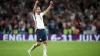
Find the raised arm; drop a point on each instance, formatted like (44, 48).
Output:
(35, 5)
(50, 6)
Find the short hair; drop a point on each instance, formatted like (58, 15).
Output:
(37, 7)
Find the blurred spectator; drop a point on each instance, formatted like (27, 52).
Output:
(97, 22)
(87, 27)
(60, 27)
(68, 29)
(52, 27)
(47, 30)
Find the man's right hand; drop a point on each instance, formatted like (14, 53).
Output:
(51, 2)
(37, 2)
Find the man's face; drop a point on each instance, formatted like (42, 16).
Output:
(38, 10)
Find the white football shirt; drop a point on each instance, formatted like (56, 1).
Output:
(39, 24)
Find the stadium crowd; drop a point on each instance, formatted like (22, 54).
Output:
(66, 16)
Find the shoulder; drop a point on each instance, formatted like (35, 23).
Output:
(43, 13)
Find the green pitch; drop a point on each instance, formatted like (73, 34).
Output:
(59, 48)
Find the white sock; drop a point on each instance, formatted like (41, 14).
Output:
(33, 47)
(44, 49)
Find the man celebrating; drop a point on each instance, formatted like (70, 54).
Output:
(40, 28)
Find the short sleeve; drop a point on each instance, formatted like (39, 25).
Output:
(33, 16)
(43, 13)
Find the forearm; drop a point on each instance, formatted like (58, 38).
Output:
(48, 9)
(50, 6)
(35, 5)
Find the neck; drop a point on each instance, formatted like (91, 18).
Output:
(38, 13)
